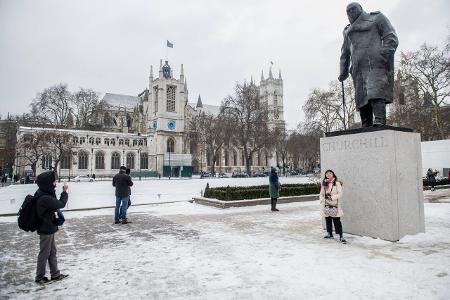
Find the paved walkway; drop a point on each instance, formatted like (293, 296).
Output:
(186, 251)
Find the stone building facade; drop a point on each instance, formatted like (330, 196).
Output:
(148, 132)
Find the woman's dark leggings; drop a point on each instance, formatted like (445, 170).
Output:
(337, 225)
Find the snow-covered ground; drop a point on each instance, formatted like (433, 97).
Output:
(101, 193)
(188, 251)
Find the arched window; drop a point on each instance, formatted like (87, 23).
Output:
(235, 158)
(75, 140)
(127, 142)
(100, 160)
(226, 158)
(91, 140)
(83, 157)
(106, 141)
(144, 161)
(120, 142)
(46, 162)
(130, 160)
(170, 104)
(65, 161)
(113, 141)
(115, 161)
(98, 141)
(155, 92)
(170, 145)
(258, 158)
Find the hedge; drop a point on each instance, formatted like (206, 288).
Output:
(443, 181)
(261, 191)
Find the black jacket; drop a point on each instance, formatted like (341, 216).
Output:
(47, 203)
(122, 182)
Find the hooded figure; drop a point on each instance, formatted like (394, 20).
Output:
(367, 53)
(46, 206)
(274, 188)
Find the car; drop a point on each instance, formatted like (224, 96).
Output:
(239, 175)
(31, 179)
(223, 175)
(205, 174)
(83, 178)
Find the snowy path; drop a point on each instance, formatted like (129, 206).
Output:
(101, 193)
(186, 251)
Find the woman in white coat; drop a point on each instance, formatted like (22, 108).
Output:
(330, 204)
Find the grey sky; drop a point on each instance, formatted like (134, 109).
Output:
(109, 45)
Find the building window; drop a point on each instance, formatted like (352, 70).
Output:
(75, 140)
(127, 142)
(170, 145)
(259, 158)
(226, 157)
(65, 161)
(115, 161)
(170, 98)
(144, 161)
(46, 162)
(83, 160)
(91, 140)
(120, 142)
(106, 141)
(82, 140)
(155, 89)
(98, 141)
(130, 161)
(100, 160)
(113, 142)
(235, 156)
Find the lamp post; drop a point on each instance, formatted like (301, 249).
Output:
(201, 161)
(139, 154)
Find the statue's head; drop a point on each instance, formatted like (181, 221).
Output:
(354, 9)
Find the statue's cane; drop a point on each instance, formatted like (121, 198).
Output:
(343, 101)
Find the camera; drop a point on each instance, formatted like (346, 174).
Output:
(328, 196)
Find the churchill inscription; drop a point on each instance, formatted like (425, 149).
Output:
(355, 144)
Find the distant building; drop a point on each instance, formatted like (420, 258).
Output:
(148, 132)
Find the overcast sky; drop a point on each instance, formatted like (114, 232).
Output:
(108, 46)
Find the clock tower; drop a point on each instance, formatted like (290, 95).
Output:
(167, 100)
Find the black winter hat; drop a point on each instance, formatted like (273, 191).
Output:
(45, 181)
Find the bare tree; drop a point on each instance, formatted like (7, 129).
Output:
(429, 67)
(30, 149)
(53, 105)
(347, 119)
(85, 102)
(303, 146)
(212, 132)
(320, 110)
(249, 118)
(59, 146)
(281, 140)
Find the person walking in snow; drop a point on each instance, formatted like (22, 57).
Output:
(431, 177)
(46, 206)
(330, 205)
(122, 183)
(274, 188)
(128, 172)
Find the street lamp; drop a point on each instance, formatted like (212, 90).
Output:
(139, 154)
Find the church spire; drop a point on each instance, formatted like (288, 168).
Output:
(151, 76)
(262, 75)
(279, 75)
(199, 102)
(160, 69)
(182, 73)
(270, 73)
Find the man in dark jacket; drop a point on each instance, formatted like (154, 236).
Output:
(46, 206)
(122, 183)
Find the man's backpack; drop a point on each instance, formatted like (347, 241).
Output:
(28, 219)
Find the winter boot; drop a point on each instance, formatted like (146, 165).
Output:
(328, 236)
(274, 205)
(343, 241)
(59, 277)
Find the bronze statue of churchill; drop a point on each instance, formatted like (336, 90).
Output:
(367, 53)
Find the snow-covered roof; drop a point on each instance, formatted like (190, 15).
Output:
(209, 109)
(121, 100)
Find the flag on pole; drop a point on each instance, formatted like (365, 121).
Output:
(169, 44)
(271, 62)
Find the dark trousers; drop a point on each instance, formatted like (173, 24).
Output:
(375, 107)
(273, 202)
(337, 225)
(47, 252)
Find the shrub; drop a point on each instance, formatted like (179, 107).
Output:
(261, 191)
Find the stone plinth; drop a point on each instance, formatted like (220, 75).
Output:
(382, 182)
